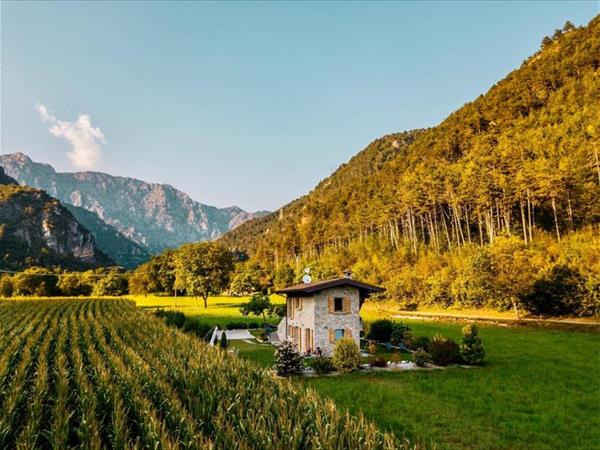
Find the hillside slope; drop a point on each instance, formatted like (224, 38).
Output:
(520, 159)
(123, 251)
(155, 216)
(35, 229)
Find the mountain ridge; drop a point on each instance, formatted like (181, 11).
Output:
(153, 215)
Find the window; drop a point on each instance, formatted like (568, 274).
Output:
(338, 304)
(339, 334)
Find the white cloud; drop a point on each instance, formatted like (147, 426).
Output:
(86, 141)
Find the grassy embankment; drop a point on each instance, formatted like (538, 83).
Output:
(540, 388)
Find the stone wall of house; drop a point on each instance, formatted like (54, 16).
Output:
(324, 320)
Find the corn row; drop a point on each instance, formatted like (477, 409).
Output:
(98, 374)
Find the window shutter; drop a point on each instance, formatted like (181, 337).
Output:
(347, 305)
(300, 303)
(348, 333)
(331, 304)
(332, 335)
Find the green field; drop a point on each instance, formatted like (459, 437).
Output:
(539, 389)
(221, 310)
(100, 373)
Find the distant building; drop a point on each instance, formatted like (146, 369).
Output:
(319, 314)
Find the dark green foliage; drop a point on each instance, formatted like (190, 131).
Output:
(420, 342)
(322, 365)
(380, 330)
(444, 351)
(378, 362)
(6, 286)
(288, 361)
(112, 282)
(471, 347)
(172, 318)
(223, 341)
(179, 320)
(400, 333)
(36, 281)
(560, 292)
(259, 305)
(421, 358)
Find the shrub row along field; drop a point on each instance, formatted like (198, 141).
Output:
(102, 374)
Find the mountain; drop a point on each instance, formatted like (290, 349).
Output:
(155, 216)
(123, 251)
(35, 229)
(522, 159)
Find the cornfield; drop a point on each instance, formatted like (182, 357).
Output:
(102, 374)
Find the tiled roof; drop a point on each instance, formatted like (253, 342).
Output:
(309, 288)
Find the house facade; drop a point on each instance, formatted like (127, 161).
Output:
(319, 314)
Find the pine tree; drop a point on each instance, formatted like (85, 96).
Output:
(287, 360)
(471, 347)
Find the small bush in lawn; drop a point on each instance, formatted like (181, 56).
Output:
(223, 341)
(471, 347)
(378, 362)
(416, 343)
(372, 348)
(322, 365)
(261, 334)
(444, 351)
(421, 357)
(380, 330)
(288, 361)
(400, 333)
(346, 356)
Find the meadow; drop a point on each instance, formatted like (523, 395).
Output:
(221, 309)
(540, 388)
(100, 373)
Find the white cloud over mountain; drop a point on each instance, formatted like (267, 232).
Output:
(86, 140)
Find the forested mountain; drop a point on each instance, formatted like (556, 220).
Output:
(35, 229)
(518, 165)
(155, 216)
(123, 251)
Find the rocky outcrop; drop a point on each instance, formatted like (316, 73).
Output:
(155, 216)
(35, 229)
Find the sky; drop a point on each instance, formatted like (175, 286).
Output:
(247, 103)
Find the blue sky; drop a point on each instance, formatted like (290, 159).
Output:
(248, 103)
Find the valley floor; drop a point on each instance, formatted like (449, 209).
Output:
(539, 389)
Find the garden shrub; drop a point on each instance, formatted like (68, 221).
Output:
(378, 362)
(346, 355)
(288, 361)
(380, 330)
(322, 365)
(400, 333)
(471, 347)
(223, 341)
(421, 342)
(372, 348)
(444, 351)
(421, 357)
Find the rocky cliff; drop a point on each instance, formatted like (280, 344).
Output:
(36, 229)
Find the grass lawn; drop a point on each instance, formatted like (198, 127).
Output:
(539, 389)
(221, 310)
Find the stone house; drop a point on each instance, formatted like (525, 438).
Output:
(319, 314)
